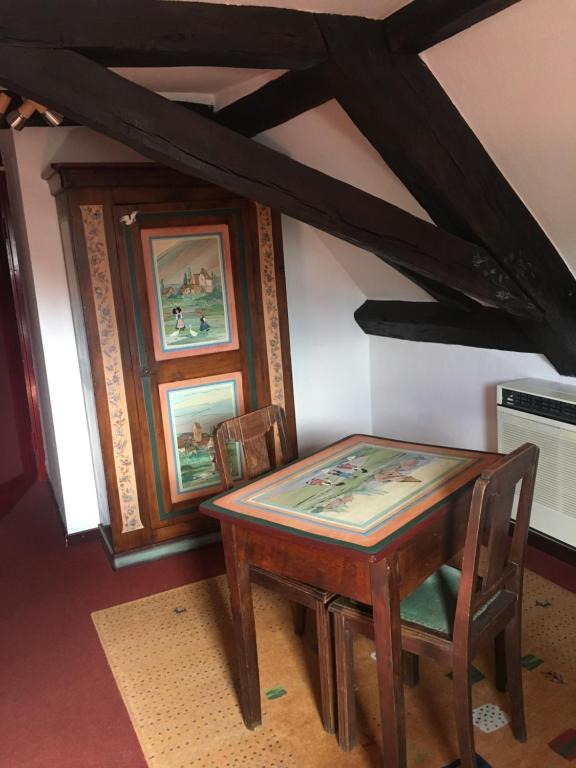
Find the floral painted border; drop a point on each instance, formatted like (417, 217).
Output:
(96, 249)
(270, 305)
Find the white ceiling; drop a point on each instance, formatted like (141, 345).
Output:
(204, 85)
(377, 9)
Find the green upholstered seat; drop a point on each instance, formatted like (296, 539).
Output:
(433, 604)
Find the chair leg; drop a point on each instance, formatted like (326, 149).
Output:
(463, 711)
(326, 667)
(513, 663)
(345, 681)
(410, 668)
(500, 662)
(299, 618)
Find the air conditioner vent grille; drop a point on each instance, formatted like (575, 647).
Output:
(556, 478)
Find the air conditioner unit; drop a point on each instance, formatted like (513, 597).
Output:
(544, 413)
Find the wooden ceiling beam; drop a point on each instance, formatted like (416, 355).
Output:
(37, 121)
(432, 322)
(150, 33)
(278, 101)
(163, 131)
(402, 110)
(423, 23)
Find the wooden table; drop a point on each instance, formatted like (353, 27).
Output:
(368, 518)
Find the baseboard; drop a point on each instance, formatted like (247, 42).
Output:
(557, 549)
(155, 552)
(82, 537)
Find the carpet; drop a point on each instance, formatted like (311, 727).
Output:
(170, 652)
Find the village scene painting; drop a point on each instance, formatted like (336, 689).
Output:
(189, 280)
(190, 411)
(366, 484)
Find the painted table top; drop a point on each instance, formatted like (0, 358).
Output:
(361, 492)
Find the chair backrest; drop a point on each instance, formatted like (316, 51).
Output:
(489, 524)
(262, 436)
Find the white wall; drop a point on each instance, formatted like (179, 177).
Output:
(330, 355)
(69, 455)
(446, 395)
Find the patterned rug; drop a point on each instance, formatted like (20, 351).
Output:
(170, 652)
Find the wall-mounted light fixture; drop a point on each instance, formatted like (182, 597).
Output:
(51, 117)
(5, 100)
(18, 117)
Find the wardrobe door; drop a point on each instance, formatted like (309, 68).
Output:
(196, 325)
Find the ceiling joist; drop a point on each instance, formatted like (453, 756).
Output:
(149, 33)
(165, 132)
(432, 322)
(278, 101)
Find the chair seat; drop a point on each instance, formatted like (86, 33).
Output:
(433, 603)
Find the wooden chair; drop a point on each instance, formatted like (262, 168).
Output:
(263, 450)
(453, 613)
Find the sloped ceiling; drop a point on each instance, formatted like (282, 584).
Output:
(512, 78)
(416, 130)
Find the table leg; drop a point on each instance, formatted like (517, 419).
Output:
(387, 637)
(237, 569)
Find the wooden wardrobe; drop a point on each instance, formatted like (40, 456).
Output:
(179, 299)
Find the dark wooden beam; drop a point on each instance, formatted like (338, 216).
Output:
(432, 322)
(151, 33)
(165, 132)
(423, 23)
(278, 101)
(402, 110)
(37, 121)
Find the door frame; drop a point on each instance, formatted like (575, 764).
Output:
(8, 247)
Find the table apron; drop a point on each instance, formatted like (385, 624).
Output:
(421, 553)
(319, 567)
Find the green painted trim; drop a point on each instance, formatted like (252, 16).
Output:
(143, 359)
(158, 551)
(144, 364)
(211, 504)
(134, 289)
(220, 512)
(246, 312)
(149, 417)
